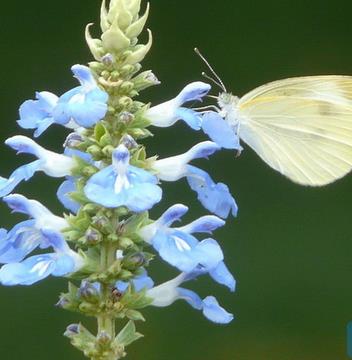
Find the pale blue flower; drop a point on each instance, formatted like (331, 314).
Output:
(220, 131)
(26, 236)
(176, 167)
(215, 197)
(205, 224)
(51, 163)
(121, 184)
(167, 293)
(83, 106)
(179, 248)
(37, 114)
(61, 262)
(167, 113)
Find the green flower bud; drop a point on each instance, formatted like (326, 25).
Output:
(114, 40)
(108, 150)
(137, 27)
(125, 243)
(95, 151)
(125, 101)
(95, 45)
(127, 70)
(141, 51)
(145, 80)
(126, 86)
(89, 171)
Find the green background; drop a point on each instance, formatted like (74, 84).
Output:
(290, 247)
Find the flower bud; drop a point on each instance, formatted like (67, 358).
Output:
(141, 51)
(134, 261)
(114, 40)
(129, 142)
(145, 80)
(93, 236)
(72, 330)
(73, 140)
(137, 27)
(125, 101)
(126, 117)
(95, 45)
(103, 338)
(88, 292)
(108, 59)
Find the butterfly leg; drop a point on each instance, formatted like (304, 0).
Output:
(204, 109)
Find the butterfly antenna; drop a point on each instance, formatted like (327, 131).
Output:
(219, 81)
(212, 80)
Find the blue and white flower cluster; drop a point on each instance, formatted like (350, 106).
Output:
(108, 188)
(117, 185)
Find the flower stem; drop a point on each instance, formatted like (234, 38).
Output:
(106, 321)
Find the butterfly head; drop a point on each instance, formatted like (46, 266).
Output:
(227, 102)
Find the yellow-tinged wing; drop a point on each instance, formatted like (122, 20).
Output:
(301, 127)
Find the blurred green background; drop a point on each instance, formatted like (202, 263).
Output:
(290, 247)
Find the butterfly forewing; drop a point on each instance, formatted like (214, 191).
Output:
(302, 127)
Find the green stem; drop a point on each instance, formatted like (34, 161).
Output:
(106, 322)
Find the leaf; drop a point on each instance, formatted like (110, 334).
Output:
(128, 335)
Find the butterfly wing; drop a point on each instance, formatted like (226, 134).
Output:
(301, 127)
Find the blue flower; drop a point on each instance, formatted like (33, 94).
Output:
(215, 197)
(51, 163)
(26, 236)
(205, 224)
(176, 167)
(84, 105)
(182, 250)
(61, 262)
(220, 131)
(37, 114)
(167, 113)
(121, 184)
(167, 293)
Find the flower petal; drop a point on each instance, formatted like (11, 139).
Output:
(21, 240)
(214, 312)
(63, 194)
(141, 195)
(29, 271)
(222, 275)
(190, 117)
(205, 224)
(37, 114)
(220, 131)
(23, 173)
(214, 197)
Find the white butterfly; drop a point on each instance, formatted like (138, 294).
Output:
(301, 127)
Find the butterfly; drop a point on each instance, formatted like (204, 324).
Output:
(301, 127)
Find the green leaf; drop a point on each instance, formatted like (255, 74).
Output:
(128, 334)
(134, 315)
